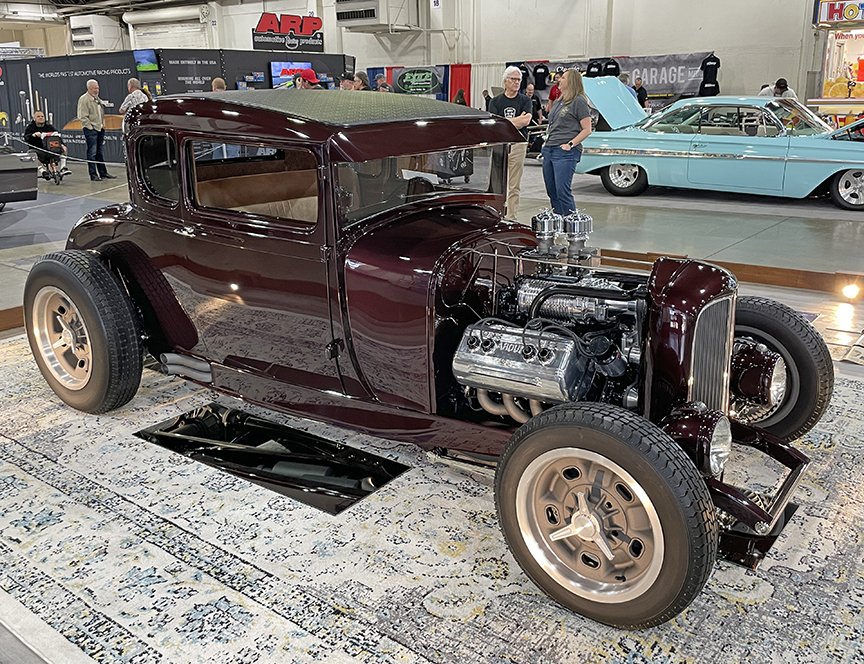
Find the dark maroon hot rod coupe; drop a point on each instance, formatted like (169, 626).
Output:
(343, 257)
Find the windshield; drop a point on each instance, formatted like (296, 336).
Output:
(371, 187)
(671, 122)
(796, 118)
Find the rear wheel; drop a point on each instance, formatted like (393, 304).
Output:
(847, 189)
(83, 331)
(624, 179)
(606, 514)
(809, 368)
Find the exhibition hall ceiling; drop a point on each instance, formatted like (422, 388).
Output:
(72, 7)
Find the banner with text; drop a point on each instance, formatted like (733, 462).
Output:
(419, 80)
(662, 75)
(288, 32)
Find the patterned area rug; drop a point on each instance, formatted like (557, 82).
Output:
(128, 553)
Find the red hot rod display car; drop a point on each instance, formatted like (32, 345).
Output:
(313, 253)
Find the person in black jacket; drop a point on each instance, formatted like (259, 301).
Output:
(641, 92)
(33, 134)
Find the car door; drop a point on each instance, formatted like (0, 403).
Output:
(254, 277)
(738, 148)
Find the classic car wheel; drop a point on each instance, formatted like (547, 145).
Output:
(83, 331)
(847, 189)
(809, 369)
(624, 179)
(606, 514)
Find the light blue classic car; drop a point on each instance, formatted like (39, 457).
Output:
(752, 145)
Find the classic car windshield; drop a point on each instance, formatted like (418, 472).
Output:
(672, 121)
(371, 187)
(796, 118)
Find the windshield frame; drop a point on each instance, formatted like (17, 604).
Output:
(793, 105)
(497, 151)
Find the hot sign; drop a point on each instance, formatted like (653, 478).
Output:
(288, 32)
(841, 12)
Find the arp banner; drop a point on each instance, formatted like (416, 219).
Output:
(288, 32)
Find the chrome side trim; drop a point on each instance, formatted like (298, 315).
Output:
(678, 154)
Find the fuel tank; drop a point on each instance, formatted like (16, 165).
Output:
(401, 279)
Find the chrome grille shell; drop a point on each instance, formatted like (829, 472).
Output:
(712, 354)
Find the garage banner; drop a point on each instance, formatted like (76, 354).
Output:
(662, 75)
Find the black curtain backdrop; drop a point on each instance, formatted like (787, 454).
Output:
(54, 85)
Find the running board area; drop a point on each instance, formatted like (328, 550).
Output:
(324, 474)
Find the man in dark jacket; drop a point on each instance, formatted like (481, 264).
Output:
(33, 134)
(641, 92)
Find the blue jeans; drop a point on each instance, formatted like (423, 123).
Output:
(558, 169)
(95, 139)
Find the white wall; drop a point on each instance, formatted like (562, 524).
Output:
(756, 40)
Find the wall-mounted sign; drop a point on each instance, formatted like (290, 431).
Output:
(418, 80)
(840, 12)
(288, 32)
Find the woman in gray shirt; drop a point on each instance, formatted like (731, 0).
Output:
(569, 125)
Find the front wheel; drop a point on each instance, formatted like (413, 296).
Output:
(606, 514)
(624, 179)
(809, 380)
(847, 189)
(83, 331)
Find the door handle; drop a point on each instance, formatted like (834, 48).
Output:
(185, 231)
(697, 145)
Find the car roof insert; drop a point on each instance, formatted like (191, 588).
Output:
(341, 110)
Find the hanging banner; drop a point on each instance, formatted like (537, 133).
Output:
(662, 75)
(419, 80)
(288, 32)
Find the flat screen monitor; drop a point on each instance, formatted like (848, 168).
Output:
(282, 72)
(146, 60)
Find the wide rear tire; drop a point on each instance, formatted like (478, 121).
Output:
(619, 486)
(83, 331)
(809, 368)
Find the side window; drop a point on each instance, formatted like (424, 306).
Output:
(157, 164)
(273, 182)
(757, 122)
(721, 121)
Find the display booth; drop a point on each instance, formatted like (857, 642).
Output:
(841, 96)
(53, 85)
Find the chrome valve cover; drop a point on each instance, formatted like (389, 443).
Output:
(529, 363)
